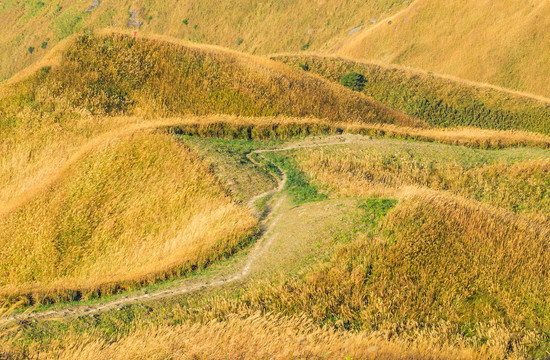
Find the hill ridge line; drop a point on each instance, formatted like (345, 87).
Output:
(414, 71)
(46, 183)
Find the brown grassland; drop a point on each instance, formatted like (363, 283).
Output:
(493, 42)
(81, 238)
(445, 254)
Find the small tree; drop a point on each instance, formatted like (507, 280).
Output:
(353, 80)
(31, 49)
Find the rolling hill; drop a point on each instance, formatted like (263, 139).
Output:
(493, 42)
(163, 198)
(255, 27)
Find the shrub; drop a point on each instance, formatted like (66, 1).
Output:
(31, 49)
(353, 80)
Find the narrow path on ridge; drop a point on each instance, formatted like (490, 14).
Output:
(260, 247)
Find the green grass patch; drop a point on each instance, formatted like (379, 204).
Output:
(298, 185)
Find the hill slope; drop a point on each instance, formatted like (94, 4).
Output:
(118, 74)
(252, 26)
(499, 42)
(438, 100)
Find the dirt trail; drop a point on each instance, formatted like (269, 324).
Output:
(259, 248)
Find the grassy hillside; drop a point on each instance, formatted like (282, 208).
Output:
(454, 269)
(127, 159)
(81, 237)
(52, 112)
(436, 100)
(495, 42)
(255, 27)
(117, 74)
(512, 179)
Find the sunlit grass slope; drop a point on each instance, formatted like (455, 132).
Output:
(256, 27)
(115, 74)
(436, 100)
(464, 273)
(453, 267)
(457, 260)
(513, 179)
(136, 210)
(502, 43)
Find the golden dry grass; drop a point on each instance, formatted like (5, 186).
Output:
(248, 26)
(516, 180)
(467, 261)
(252, 337)
(494, 42)
(437, 256)
(82, 235)
(35, 154)
(118, 74)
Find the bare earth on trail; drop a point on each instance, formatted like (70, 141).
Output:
(245, 267)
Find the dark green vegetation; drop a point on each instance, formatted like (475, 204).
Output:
(352, 80)
(439, 102)
(259, 130)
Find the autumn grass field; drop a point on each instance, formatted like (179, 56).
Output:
(408, 220)
(448, 269)
(497, 43)
(439, 101)
(81, 238)
(260, 28)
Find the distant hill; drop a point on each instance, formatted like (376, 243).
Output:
(438, 100)
(30, 28)
(500, 42)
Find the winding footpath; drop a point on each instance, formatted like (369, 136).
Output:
(185, 287)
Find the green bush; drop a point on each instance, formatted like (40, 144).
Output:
(353, 80)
